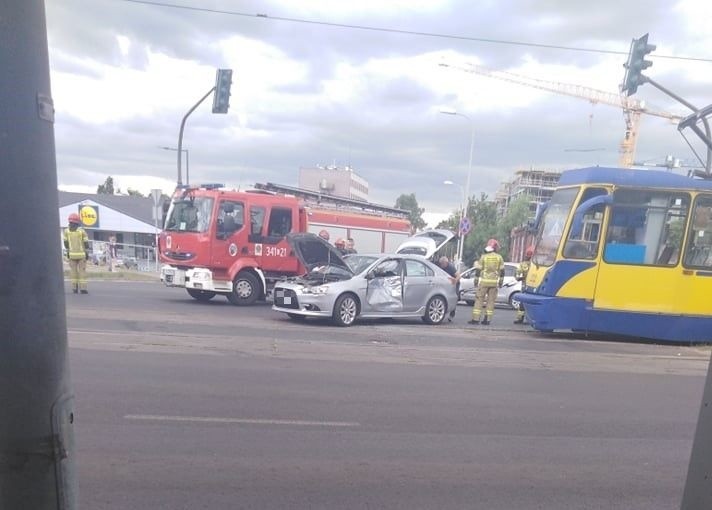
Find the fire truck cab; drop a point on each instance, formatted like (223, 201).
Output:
(232, 243)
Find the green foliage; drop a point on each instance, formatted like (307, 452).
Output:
(134, 193)
(517, 214)
(483, 216)
(107, 188)
(487, 225)
(410, 203)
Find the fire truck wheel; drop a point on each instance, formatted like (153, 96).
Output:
(245, 289)
(201, 295)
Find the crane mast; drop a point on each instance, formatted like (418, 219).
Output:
(632, 108)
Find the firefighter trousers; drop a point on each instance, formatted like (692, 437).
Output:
(78, 274)
(485, 298)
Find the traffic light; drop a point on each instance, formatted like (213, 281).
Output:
(639, 48)
(221, 98)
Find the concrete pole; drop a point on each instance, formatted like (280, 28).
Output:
(36, 402)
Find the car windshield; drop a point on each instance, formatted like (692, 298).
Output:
(358, 263)
(190, 215)
(414, 250)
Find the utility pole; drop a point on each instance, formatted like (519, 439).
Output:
(36, 427)
(221, 103)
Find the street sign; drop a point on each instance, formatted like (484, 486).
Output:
(465, 226)
(156, 196)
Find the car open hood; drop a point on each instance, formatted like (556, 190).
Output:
(314, 252)
(426, 243)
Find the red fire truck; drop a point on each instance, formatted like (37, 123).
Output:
(233, 243)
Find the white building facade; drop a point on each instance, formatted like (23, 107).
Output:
(335, 181)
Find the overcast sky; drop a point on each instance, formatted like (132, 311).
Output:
(306, 93)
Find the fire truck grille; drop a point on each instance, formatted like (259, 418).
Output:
(286, 298)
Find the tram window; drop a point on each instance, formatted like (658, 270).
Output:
(646, 227)
(699, 244)
(551, 226)
(583, 243)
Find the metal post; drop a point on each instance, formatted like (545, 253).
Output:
(180, 135)
(706, 137)
(187, 167)
(698, 485)
(36, 429)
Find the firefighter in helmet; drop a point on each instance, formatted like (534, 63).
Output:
(76, 242)
(521, 275)
(489, 276)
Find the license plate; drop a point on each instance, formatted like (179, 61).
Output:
(287, 300)
(198, 285)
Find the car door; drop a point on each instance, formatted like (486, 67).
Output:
(510, 283)
(230, 236)
(384, 291)
(467, 280)
(417, 283)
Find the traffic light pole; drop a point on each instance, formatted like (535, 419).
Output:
(690, 121)
(36, 427)
(179, 182)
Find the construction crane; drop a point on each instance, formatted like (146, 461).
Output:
(632, 108)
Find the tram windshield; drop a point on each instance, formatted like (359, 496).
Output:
(551, 226)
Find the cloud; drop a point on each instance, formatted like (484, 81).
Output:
(125, 74)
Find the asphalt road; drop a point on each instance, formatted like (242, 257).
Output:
(189, 405)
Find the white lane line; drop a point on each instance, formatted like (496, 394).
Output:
(245, 421)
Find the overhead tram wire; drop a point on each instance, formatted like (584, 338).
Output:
(403, 32)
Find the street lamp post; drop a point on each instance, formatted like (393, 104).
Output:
(447, 111)
(460, 240)
(187, 161)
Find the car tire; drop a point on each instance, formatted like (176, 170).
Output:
(470, 303)
(201, 295)
(513, 300)
(246, 289)
(297, 317)
(346, 310)
(435, 310)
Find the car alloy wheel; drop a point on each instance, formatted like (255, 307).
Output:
(436, 310)
(345, 310)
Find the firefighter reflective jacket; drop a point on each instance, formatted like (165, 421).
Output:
(76, 242)
(491, 269)
(522, 270)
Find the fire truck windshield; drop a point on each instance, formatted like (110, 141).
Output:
(190, 215)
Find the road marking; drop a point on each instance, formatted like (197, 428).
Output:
(245, 421)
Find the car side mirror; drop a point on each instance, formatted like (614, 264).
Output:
(370, 275)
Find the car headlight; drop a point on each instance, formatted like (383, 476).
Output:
(319, 289)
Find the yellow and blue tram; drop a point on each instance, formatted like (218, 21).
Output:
(625, 252)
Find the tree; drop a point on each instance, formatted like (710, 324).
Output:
(410, 203)
(517, 214)
(482, 213)
(107, 188)
(134, 193)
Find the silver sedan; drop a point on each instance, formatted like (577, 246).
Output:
(391, 286)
